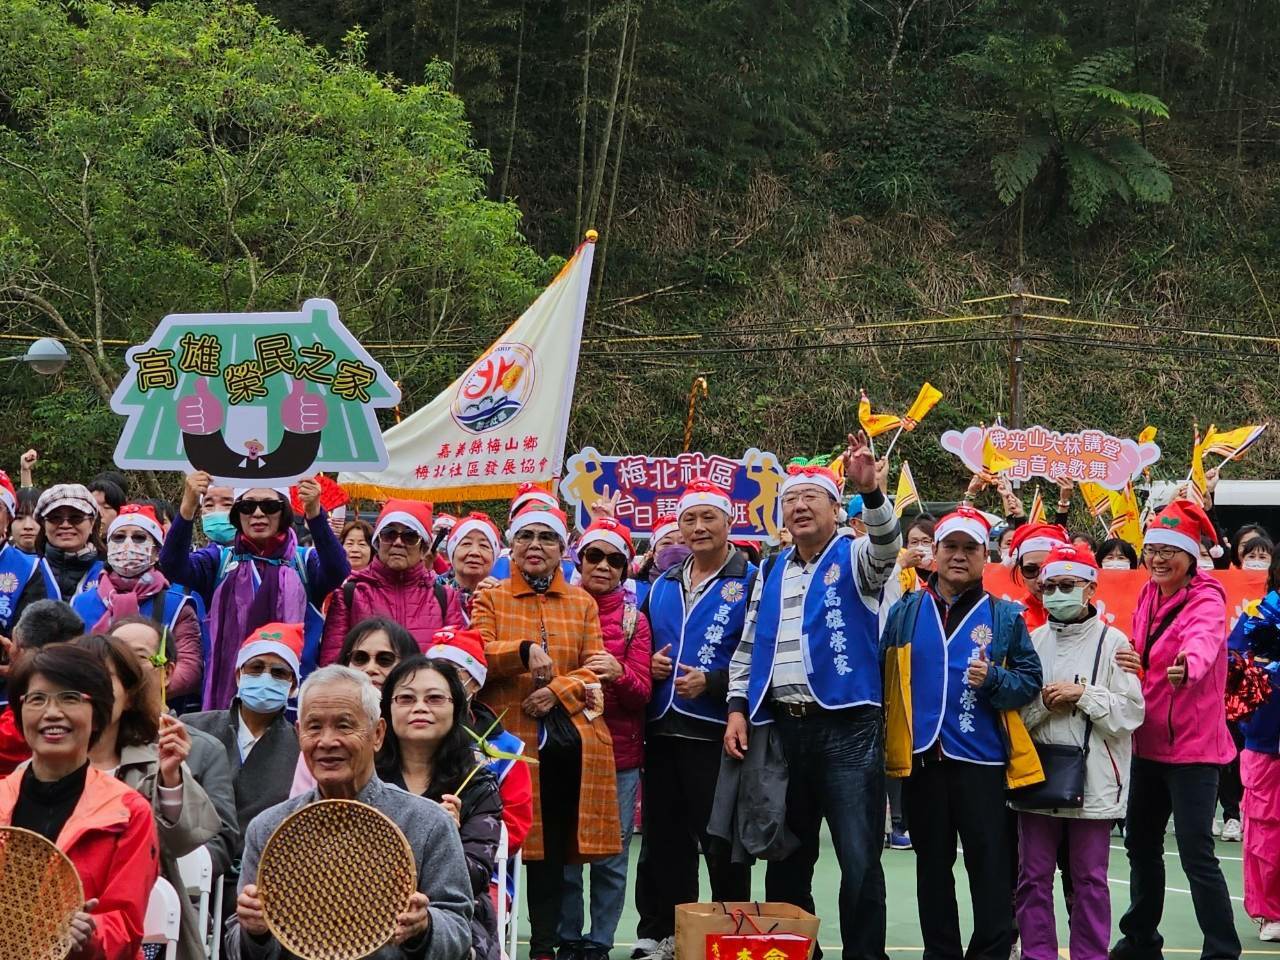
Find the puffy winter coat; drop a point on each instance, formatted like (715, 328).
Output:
(409, 597)
(1113, 701)
(627, 636)
(1185, 724)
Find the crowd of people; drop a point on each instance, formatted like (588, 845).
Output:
(186, 677)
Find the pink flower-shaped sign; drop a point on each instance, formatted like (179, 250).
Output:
(1089, 456)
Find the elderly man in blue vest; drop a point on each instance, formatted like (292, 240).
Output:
(696, 610)
(808, 662)
(958, 665)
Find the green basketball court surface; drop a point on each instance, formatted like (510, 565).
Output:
(1182, 936)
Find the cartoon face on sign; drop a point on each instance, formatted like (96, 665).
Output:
(496, 388)
(253, 398)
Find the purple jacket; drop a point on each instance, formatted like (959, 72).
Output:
(406, 596)
(1186, 724)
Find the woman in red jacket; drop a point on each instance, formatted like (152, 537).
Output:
(398, 583)
(604, 553)
(62, 697)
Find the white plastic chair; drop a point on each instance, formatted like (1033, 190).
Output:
(164, 918)
(206, 889)
(508, 923)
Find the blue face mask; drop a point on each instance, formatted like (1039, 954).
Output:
(218, 528)
(264, 693)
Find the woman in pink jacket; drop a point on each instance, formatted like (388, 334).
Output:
(398, 583)
(604, 553)
(1179, 630)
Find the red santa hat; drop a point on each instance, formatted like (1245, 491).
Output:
(1067, 560)
(463, 647)
(663, 526)
(527, 493)
(1031, 537)
(413, 514)
(1181, 524)
(610, 531)
(8, 496)
(472, 522)
(138, 515)
(824, 477)
(282, 639)
(966, 520)
(332, 496)
(704, 493)
(539, 513)
(443, 521)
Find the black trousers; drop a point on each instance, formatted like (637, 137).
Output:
(1188, 792)
(1230, 790)
(948, 800)
(679, 785)
(559, 779)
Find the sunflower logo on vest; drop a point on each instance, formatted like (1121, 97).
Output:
(832, 575)
(731, 591)
(8, 582)
(981, 635)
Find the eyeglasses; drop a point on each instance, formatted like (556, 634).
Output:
(269, 508)
(596, 556)
(70, 518)
(136, 537)
(1163, 553)
(256, 668)
(383, 658)
(1029, 571)
(806, 497)
(547, 537)
(1049, 589)
(65, 699)
(410, 538)
(407, 700)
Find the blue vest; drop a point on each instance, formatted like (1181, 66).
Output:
(313, 619)
(16, 571)
(1261, 728)
(703, 637)
(943, 706)
(841, 634)
(91, 608)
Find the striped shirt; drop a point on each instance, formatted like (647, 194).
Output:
(790, 681)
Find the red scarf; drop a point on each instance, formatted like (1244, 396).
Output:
(123, 596)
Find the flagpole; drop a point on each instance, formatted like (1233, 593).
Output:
(895, 439)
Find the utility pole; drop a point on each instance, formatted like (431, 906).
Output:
(1017, 305)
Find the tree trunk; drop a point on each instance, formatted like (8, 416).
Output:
(515, 108)
(617, 160)
(582, 128)
(597, 183)
(453, 54)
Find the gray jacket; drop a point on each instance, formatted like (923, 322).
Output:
(442, 875)
(749, 810)
(203, 820)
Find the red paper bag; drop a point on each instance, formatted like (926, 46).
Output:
(757, 946)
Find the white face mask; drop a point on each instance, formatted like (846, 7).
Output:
(1204, 564)
(1116, 563)
(131, 559)
(1256, 563)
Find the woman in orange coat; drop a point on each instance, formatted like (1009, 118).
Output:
(62, 698)
(546, 666)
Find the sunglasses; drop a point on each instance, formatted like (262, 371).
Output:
(1030, 570)
(269, 508)
(410, 538)
(1049, 589)
(596, 556)
(545, 537)
(136, 537)
(256, 668)
(71, 518)
(383, 658)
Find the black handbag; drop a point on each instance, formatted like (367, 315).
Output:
(1064, 766)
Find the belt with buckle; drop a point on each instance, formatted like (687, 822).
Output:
(798, 711)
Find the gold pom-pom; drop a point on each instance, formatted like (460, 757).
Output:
(592, 236)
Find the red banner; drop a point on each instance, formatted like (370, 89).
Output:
(1118, 591)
